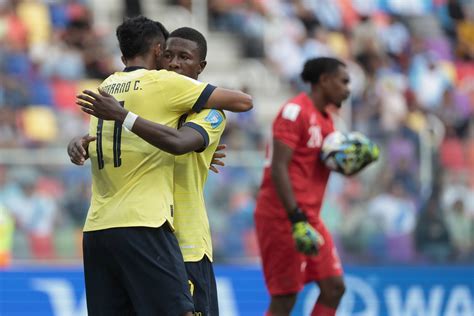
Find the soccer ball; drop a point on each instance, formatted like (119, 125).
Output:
(348, 153)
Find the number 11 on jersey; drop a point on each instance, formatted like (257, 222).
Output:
(116, 143)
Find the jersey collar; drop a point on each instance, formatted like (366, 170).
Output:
(132, 68)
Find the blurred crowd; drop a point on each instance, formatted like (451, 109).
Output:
(412, 74)
(49, 50)
(412, 69)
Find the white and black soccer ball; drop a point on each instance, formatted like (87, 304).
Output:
(348, 153)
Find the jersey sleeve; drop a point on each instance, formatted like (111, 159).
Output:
(185, 94)
(209, 123)
(288, 125)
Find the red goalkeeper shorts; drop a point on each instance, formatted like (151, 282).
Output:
(285, 269)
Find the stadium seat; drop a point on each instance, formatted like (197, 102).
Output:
(452, 154)
(40, 92)
(64, 95)
(38, 124)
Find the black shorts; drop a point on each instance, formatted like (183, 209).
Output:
(135, 271)
(202, 283)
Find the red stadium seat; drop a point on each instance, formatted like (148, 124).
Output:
(64, 95)
(452, 154)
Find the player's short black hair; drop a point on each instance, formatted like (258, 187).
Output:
(194, 35)
(314, 68)
(135, 35)
(163, 29)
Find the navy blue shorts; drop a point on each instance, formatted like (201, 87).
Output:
(202, 283)
(135, 271)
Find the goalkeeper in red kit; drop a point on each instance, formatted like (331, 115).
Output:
(295, 246)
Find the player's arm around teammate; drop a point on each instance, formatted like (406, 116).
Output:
(172, 140)
(78, 147)
(177, 142)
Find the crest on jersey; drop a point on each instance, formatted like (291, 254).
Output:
(215, 118)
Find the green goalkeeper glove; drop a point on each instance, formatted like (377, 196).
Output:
(307, 239)
(361, 153)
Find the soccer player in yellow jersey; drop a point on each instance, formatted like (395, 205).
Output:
(185, 53)
(132, 261)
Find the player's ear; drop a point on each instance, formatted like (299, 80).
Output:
(202, 65)
(324, 79)
(157, 50)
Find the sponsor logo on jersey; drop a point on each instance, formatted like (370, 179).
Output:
(291, 111)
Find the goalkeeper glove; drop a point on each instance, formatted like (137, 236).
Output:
(360, 153)
(307, 239)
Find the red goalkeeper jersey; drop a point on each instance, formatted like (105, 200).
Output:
(302, 127)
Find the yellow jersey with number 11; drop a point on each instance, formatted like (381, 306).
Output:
(132, 181)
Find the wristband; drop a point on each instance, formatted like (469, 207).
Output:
(297, 216)
(129, 120)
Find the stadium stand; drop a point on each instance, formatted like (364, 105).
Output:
(412, 68)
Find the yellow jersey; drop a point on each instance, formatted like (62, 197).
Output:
(190, 175)
(132, 181)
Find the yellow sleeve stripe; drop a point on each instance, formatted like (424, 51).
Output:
(201, 130)
(202, 100)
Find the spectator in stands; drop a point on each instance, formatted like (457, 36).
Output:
(428, 80)
(455, 112)
(432, 236)
(395, 36)
(35, 215)
(461, 228)
(396, 214)
(133, 8)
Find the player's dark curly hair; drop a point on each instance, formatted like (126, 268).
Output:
(314, 68)
(163, 29)
(136, 35)
(192, 35)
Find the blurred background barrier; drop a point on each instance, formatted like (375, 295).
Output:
(371, 291)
